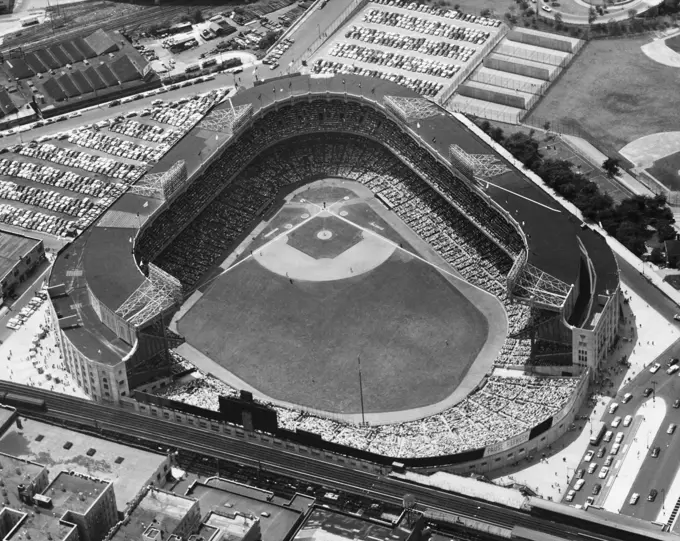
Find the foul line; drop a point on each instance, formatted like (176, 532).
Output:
(277, 237)
(522, 196)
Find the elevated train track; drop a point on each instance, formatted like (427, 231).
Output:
(73, 411)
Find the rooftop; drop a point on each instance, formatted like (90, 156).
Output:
(14, 472)
(75, 492)
(162, 510)
(36, 526)
(274, 528)
(232, 526)
(326, 525)
(128, 468)
(12, 248)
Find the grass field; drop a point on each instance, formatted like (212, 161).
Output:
(666, 169)
(615, 93)
(298, 341)
(674, 43)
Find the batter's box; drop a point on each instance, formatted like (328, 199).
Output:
(325, 236)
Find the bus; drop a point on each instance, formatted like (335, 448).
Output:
(597, 433)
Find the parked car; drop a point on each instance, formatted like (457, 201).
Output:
(601, 452)
(570, 495)
(655, 368)
(589, 456)
(603, 472)
(647, 392)
(616, 422)
(676, 404)
(608, 461)
(652, 495)
(619, 437)
(596, 489)
(634, 498)
(627, 420)
(579, 473)
(656, 451)
(613, 407)
(592, 467)
(579, 484)
(671, 428)
(627, 397)
(608, 436)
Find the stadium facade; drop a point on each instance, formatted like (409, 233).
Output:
(111, 300)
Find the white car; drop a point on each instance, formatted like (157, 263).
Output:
(673, 369)
(616, 422)
(579, 484)
(613, 407)
(634, 498)
(589, 456)
(671, 428)
(608, 436)
(619, 437)
(603, 472)
(592, 467)
(676, 317)
(546, 8)
(627, 420)
(655, 368)
(570, 495)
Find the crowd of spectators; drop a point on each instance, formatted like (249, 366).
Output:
(122, 148)
(146, 132)
(433, 68)
(502, 408)
(410, 43)
(297, 142)
(424, 88)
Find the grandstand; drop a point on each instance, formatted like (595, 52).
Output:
(497, 228)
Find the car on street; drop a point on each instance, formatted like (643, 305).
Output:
(652, 495)
(570, 495)
(592, 467)
(615, 448)
(627, 398)
(546, 8)
(676, 404)
(613, 407)
(656, 451)
(589, 456)
(673, 361)
(673, 369)
(579, 473)
(590, 500)
(619, 437)
(647, 392)
(616, 422)
(627, 420)
(634, 498)
(579, 484)
(676, 317)
(608, 436)
(603, 472)
(655, 368)
(601, 452)
(671, 428)
(608, 461)
(596, 489)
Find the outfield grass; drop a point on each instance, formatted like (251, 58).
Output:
(674, 43)
(299, 342)
(614, 92)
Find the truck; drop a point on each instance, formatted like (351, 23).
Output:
(598, 432)
(28, 21)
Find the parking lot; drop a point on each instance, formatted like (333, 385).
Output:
(60, 182)
(419, 46)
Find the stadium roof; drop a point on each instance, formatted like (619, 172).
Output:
(108, 267)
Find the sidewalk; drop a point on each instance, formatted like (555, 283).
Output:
(589, 152)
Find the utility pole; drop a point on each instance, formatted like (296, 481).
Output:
(361, 392)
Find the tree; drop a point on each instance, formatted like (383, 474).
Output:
(632, 13)
(665, 231)
(197, 16)
(486, 12)
(558, 20)
(656, 256)
(611, 167)
(268, 40)
(592, 15)
(524, 148)
(546, 125)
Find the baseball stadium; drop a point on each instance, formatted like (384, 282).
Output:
(347, 258)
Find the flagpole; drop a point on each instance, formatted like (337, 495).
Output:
(361, 393)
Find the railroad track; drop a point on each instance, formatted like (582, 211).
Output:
(65, 409)
(148, 16)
